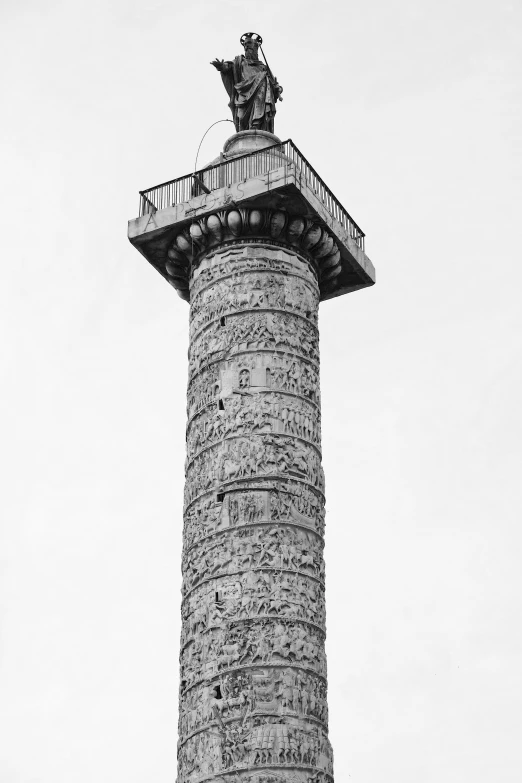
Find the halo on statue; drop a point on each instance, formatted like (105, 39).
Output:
(247, 36)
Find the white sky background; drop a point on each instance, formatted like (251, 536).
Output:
(410, 111)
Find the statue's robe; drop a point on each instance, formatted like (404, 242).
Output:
(251, 90)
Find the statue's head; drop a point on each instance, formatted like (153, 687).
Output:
(251, 43)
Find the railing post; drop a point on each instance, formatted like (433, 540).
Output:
(221, 173)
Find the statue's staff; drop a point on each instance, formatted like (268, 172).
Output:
(271, 74)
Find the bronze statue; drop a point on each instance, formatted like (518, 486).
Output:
(252, 88)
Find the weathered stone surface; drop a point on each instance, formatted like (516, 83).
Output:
(254, 258)
(253, 668)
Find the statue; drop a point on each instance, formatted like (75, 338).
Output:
(252, 88)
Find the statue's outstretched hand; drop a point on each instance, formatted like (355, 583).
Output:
(219, 64)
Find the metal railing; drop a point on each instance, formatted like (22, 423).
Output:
(253, 164)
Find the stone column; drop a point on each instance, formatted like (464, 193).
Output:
(253, 669)
(253, 242)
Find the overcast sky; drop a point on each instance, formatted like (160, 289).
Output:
(410, 111)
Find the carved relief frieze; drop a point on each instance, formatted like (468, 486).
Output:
(298, 504)
(254, 456)
(255, 593)
(262, 546)
(253, 371)
(289, 502)
(203, 389)
(236, 261)
(256, 742)
(246, 412)
(242, 696)
(254, 291)
(263, 641)
(254, 331)
(253, 667)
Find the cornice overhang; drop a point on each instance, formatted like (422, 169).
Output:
(278, 207)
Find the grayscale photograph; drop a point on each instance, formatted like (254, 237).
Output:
(261, 511)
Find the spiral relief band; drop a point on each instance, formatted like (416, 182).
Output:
(253, 667)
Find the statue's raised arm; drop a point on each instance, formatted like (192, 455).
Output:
(222, 65)
(252, 88)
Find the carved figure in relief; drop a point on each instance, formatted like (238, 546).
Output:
(215, 705)
(235, 745)
(262, 650)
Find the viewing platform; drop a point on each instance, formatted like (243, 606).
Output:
(270, 176)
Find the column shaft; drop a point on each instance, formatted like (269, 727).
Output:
(253, 667)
